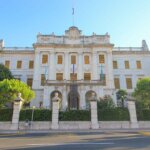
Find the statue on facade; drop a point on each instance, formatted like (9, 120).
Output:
(56, 98)
(93, 97)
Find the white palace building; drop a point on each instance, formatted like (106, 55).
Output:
(75, 65)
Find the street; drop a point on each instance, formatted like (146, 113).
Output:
(76, 141)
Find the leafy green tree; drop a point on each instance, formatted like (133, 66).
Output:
(9, 90)
(121, 95)
(5, 73)
(105, 103)
(142, 92)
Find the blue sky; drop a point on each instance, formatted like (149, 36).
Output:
(127, 21)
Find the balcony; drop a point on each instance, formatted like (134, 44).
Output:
(78, 82)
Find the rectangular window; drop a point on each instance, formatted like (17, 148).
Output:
(7, 64)
(73, 76)
(127, 66)
(117, 83)
(44, 59)
(73, 59)
(87, 76)
(59, 76)
(115, 64)
(59, 59)
(138, 64)
(42, 79)
(101, 59)
(19, 64)
(31, 64)
(129, 83)
(86, 59)
(29, 82)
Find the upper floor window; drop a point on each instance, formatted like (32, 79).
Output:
(101, 59)
(59, 59)
(29, 82)
(7, 64)
(138, 64)
(86, 59)
(117, 83)
(115, 64)
(19, 64)
(59, 76)
(44, 59)
(126, 63)
(31, 64)
(42, 79)
(129, 83)
(87, 76)
(73, 76)
(73, 59)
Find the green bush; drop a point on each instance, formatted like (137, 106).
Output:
(6, 114)
(75, 115)
(113, 114)
(143, 115)
(39, 115)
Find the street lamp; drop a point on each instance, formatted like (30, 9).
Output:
(32, 116)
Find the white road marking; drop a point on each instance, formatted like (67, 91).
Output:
(55, 144)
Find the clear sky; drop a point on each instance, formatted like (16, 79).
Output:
(127, 21)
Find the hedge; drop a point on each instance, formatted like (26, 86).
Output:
(75, 115)
(6, 114)
(39, 115)
(113, 114)
(143, 115)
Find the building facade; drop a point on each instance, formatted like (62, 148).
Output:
(75, 65)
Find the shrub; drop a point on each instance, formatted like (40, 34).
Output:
(75, 115)
(113, 114)
(6, 114)
(143, 115)
(39, 115)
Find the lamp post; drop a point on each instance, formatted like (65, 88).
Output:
(32, 116)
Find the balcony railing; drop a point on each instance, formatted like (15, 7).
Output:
(78, 82)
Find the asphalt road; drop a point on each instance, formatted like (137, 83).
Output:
(76, 141)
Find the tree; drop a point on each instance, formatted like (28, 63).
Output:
(121, 95)
(5, 73)
(142, 92)
(9, 90)
(105, 102)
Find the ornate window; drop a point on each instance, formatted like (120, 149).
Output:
(115, 64)
(59, 59)
(7, 64)
(101, 59)
(73, 59)
(117, 83)
(42, 79)
(129, 83)
(138, 64)
(59, 76)
(87, 76)
(31, 64)
(44, 59)
(127, 66)
(86, 59)
(29, 82)
(73, 76)
(19, 64)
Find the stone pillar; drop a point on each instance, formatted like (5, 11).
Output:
(94, 64)
(94, 117)
(80, 70)
(67, 71)
(132, 113)
(55, 111)
(16, 112)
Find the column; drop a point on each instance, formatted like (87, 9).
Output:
(36, 77)
(82, 97)
(16, 112)
(67, 70)
(109, 76)
(46, 97)
(52, 67)
(80, 66)
(94, 66)
(132, 113)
